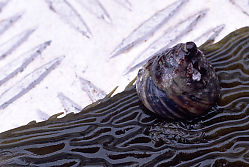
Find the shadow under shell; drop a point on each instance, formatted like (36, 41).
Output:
(121, 132)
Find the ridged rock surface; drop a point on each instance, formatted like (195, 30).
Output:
(121, 132)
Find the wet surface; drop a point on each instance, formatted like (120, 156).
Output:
(121, 132)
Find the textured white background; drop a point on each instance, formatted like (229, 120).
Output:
(89, 58)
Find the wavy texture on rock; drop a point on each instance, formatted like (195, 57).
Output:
(121, 132)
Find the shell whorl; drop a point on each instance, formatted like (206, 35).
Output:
(178, 83)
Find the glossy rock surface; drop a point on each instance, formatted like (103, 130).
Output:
(120, 132)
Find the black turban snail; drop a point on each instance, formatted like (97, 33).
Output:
(178, 83)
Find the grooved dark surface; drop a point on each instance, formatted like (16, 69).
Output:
(121, 132)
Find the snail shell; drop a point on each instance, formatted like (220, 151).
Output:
(178, 83)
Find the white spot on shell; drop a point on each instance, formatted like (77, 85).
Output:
(196, 76)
